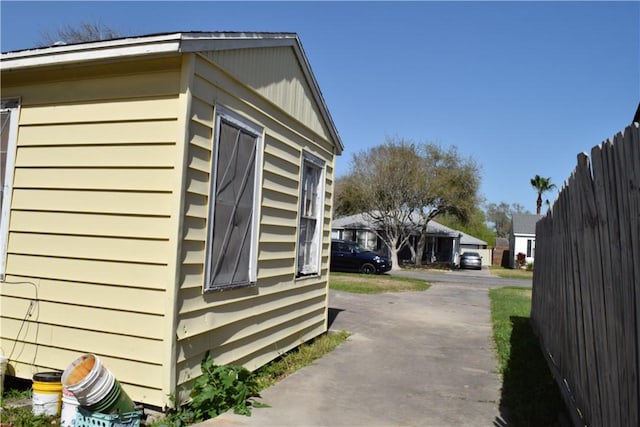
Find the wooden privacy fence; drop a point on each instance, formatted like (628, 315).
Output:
(586, 284)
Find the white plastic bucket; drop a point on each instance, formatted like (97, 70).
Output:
(45, 403)
(69, 409)
(88, 380)
(46, 396)
(3, 370)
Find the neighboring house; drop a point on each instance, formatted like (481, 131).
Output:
(444, 244)
(165, 196)
(523, 237)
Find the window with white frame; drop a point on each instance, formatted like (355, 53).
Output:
(310, 212)
(232, 221)
(531, 248)
(9, 134)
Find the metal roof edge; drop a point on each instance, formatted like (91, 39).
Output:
(82, 52)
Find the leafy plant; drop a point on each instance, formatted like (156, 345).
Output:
(221, 388)
(204, 395)
(521, 260)
(218, 389)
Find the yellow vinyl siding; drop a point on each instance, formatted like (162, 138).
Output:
(96, 156)
(112, 202)
(95, 111)
(248, 325)
(199, 316)
(108, 224)
(130, 373)
(94, 179)
(144, 251)
(85, 294)
(258, 349)
(88, 271)
(147, 132)
(117, 345)
(279, 78)
(90, 224)
(121, 79)
(84, 317)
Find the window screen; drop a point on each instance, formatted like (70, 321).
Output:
(231, 243)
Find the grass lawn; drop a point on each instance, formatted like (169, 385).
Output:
(509, 273)
(528, 389)
(374, 283)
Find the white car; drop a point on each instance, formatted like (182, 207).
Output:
(471, 260)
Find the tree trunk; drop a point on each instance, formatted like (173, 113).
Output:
(395, 265)
(539, 204)
(412, 249)
(422, 244)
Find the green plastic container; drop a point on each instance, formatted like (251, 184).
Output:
(115, 402)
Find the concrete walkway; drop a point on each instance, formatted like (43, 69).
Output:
(414, 359)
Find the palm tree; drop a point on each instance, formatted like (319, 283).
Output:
(542, 185)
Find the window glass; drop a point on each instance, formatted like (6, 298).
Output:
(309, 227)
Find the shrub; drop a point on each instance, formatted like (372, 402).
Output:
(521, 260)
(218, 389)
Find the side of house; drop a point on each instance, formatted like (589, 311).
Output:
(522, 239)
(264, 90)
(91, 226)
(165, 196)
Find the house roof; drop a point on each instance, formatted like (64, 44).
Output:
(166, 44)
(524, 223)
(360, 221)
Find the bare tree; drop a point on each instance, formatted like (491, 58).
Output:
(447, 183)
(500, 215)
(83, 32)
(400, 186)
(381, 185)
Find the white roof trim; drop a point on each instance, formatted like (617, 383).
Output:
(65, 54)
(166, 44)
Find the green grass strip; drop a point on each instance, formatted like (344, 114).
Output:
(375, 284)
(528, 389)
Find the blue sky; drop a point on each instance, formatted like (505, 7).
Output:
(521, 87)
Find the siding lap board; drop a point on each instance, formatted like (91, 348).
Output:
(91, 205)
(249, 325)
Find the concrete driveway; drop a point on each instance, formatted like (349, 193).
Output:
(414, 359)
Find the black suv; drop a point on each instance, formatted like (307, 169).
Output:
(347, 256)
